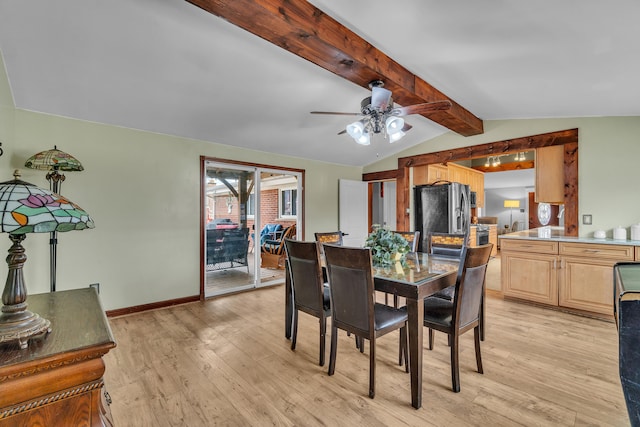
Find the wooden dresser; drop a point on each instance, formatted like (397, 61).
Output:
(57, 380)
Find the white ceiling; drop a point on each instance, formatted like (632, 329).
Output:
(167, 66)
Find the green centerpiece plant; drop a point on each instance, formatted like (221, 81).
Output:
(386, 246)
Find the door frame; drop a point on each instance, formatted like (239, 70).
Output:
(259, 168)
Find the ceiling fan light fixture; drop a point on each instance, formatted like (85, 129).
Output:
(394, 124)
(380, 116)
(396, 136)
(364, 139)
(355, 129)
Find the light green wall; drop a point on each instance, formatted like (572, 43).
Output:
(6, 113)
(609, 149)
(142, 190)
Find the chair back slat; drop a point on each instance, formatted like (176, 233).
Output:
(332, 237)
(447, 244)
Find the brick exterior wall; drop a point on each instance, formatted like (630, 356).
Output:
(268, 209)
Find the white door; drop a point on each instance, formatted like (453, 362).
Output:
(389, 204)
(353, 211)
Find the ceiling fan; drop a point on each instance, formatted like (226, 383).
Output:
(380, 116)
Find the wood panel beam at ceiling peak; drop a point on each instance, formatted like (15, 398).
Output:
(304, 30)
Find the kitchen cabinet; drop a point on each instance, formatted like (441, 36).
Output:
(529, 270)
(437, 172)
(587, 275)
(573, 275)
(458, 173)
(473, 178)
(453, 172)
(429, 174)
(473, 237)
(550, 174)
(493, 238)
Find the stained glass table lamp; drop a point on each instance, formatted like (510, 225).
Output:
(25, 208)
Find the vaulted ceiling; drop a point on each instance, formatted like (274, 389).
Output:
(171, 67)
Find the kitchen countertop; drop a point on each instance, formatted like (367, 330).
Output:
(557, 234)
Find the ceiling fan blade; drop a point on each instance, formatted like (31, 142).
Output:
(336, 113)
(427, 107)
(406, 127)
(380, 98)
(342, 132)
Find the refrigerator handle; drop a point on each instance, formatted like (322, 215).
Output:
(464, 209)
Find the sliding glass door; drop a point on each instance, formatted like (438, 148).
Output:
(248, 211)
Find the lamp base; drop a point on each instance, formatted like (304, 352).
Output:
(16, 322)
(22, 326)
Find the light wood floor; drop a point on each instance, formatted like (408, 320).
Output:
(226, 362)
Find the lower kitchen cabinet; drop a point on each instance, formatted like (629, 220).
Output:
(530, 276)
(586, 284)
(586, 271)
(572, 275)
(493, 238)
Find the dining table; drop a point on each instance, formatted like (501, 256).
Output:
(416, 277)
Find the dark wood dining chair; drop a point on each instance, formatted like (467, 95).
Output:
(448, 245)
(452, 245)
(310, 294)
(353, 306)
(463, 313)
(331, 237)
(413, 237)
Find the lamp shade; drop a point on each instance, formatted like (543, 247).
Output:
(355, 130)
(54, 160)
(512, 203)
(364, 139)
(26, 208)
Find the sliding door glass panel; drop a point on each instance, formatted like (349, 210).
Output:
(248, 213)
(279, 218)
(229, 264)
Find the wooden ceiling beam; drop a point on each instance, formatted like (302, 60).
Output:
(304, 30)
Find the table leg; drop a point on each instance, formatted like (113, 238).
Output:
(415, 310)
(288, 304)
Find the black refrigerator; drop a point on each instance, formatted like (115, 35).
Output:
(441, 208)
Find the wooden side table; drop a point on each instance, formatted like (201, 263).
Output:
(57, 380)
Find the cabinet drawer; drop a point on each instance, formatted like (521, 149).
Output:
(534, 246)
(612, 252)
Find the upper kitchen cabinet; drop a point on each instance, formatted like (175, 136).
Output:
(550, 174)
(429, 174)
(473, 178)
(452, 172)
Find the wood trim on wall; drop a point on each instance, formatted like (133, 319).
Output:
(151, 306)
(380, 176)
(568, 138)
